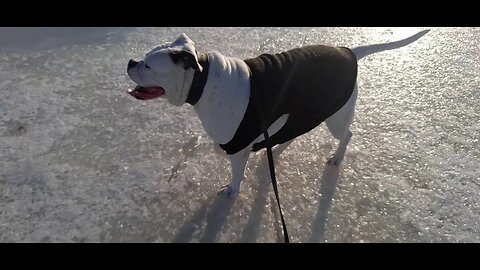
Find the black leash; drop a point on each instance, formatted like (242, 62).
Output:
(196, 90)
(270, 158)
(274, 183)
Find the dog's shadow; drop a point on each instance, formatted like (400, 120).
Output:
(215, 210)
(327, 189)
(328, 186)
(251, 230)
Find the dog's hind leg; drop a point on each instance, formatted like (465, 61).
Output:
(339, 126)
(336, 158)
(278, 150)
(238, 162)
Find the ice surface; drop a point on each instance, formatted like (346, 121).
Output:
(82, 161)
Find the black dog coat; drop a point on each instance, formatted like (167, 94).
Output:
(310, 84)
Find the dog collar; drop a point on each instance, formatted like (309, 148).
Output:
(199, 80)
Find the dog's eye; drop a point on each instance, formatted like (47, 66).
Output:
(147, 66)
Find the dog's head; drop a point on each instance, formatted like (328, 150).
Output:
(166, 71)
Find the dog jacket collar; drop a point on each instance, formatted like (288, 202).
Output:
(310, 84)
(199, 80)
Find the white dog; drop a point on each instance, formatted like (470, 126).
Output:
(290, 93)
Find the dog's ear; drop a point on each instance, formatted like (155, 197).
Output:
(186, 58)
(183, 39)
(183, 51)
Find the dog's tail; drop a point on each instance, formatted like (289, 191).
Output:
(363, 51)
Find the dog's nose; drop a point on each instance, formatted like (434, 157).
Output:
(132, 63)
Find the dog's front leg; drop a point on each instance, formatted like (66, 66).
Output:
(238, 162)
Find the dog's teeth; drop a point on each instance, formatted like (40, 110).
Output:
(129, 90)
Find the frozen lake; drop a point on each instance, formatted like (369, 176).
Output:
(82, 161)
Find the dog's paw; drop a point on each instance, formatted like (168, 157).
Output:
(228, 191)
(333, 160)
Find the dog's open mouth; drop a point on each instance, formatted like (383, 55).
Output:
(146, 93)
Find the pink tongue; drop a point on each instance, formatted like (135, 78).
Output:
(146, 93)
(153, 91)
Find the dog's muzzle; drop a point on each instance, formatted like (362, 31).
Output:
(140, 92)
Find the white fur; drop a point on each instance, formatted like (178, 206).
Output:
(226, 95)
